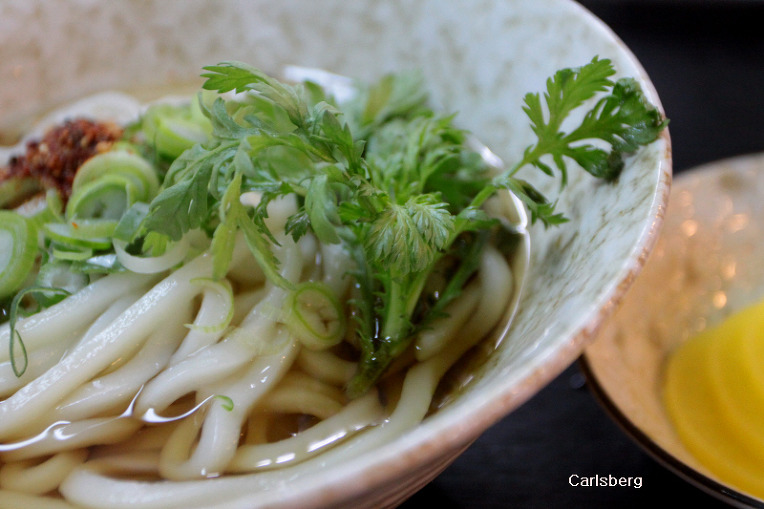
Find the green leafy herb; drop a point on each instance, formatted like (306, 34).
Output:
(622, 118)
(387, 177)
(383, 174)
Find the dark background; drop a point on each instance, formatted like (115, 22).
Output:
(706, 59)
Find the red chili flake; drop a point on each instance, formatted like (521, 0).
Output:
(54, 160)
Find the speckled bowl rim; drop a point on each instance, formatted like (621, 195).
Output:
(426, 443)
(504, 399)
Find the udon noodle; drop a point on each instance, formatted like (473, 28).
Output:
(168, 389)
(124, 405)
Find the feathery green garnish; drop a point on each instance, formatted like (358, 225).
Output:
(394, 182)
(386, 176)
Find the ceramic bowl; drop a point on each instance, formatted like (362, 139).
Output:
(707, 264)
(479, 58)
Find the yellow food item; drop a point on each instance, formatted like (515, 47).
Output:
(714, 395)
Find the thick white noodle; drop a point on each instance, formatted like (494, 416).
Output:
(88, 358)
(221, 427)
(220, 431)
(255, 335)
(16, 500)
(91, 481)
(303, 395)
(40, 360)
(443, 329)
(296, 378)
(244, 302)
(246, 273)
(326, 366)
(38, 478)
(335, 262)
(243, 269)
(209, 324)
(148, 439)
(193, 373)
(65, 436)
(43, 357)
(357, 415)
(117, 388)
(497, 282)
(134, 462)
(68, 315)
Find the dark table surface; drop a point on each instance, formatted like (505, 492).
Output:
(706, 59)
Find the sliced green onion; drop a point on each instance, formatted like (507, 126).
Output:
(227, 402)
(15, 335)
(41, 209)
(18, 251)
(105, 198)
(173, 129)
(16, 190)
(126, 164)
(67, 234)
(221, 307)
(59, 276)
(175, 254)
(99, 264)
(94, 227)
(314, 316)
(70, 253)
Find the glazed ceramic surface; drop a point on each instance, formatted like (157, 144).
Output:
(708, 263)
(480, 58)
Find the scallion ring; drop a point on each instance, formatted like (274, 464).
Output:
(70, 253)
(315, 316)
(107, 197)
(69, 235)
(173, 129)
(18, 250)
(127, 164)
(217, 304)
(175, 254)
(60, 276)
(15, 335)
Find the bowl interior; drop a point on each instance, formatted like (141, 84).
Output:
(707, 265)
(480, 68)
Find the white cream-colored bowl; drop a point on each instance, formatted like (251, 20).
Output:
(480, 58)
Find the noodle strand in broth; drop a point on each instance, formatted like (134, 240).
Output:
(267, 374)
